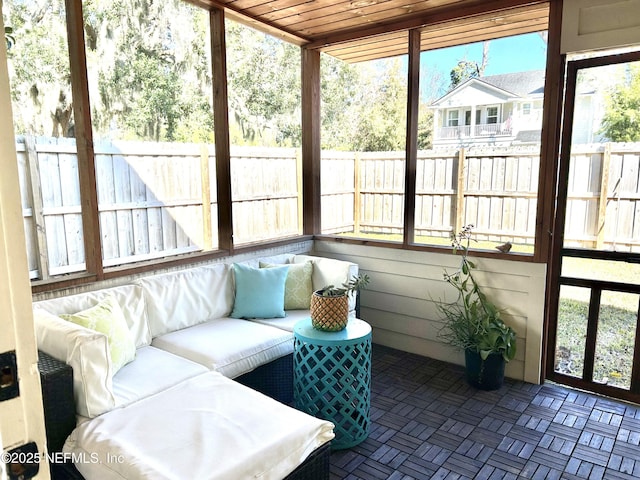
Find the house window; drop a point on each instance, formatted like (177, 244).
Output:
(467, 117)
(526, 109)
(492, 115)
(452, 118)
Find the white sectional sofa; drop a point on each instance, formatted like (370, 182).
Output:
(157, 395)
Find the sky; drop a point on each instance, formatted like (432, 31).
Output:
(520, 53)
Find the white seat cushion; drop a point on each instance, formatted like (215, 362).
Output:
(152, 371)
(286, 323)
(228, 345)
(208, 427)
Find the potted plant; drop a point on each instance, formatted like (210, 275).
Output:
(472, 323)
(330, 305)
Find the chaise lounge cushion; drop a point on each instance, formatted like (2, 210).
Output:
(205, 427)
(227, 345)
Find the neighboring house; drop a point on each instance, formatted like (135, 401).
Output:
(506, 110)
(494, 110)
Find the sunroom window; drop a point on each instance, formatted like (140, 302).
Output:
(363, 147)
(42, 106)
(263, 75)
(485, 174)
(152, 119)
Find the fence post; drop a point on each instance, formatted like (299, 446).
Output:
(299, 186)
(604, 195)
(206, 197)
(356, 193)
(42, 252)
(459, 218)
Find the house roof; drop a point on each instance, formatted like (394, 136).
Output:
(508, 85)
(522, 84)
(360, 30)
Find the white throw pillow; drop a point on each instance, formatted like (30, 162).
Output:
(87, 352)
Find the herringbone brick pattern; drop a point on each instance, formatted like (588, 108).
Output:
(427, 423)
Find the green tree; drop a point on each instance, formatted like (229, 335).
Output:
(425, 127)
(621, 121)
(264, 87)
(339, 85)
(466, 69)
(151, 70)
(39, 68)
(382, 108)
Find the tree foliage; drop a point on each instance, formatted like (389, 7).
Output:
(621, 121)
(149, 74)
(39, 67)
(466, 69)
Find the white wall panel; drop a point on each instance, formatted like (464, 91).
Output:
(400, 301)
(599, 24)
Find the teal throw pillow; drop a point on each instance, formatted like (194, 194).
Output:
(298, 288)
(259, 291)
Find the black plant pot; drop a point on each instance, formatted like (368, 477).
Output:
(484, 374)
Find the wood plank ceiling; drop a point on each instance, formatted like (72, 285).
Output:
(361, 30)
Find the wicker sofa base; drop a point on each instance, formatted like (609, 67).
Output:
(274, 379)
(315, 467)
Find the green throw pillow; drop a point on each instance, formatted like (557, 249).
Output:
(106, 317)
(298, 287)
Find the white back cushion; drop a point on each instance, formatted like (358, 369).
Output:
(128, 297)
(177, 300)
(328, 271)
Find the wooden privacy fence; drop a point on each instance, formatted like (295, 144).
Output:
(156, 200)
(494, 190)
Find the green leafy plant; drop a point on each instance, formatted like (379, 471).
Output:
(355, 283)
(472, 321)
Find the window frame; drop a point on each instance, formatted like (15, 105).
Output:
(451, 118)
(489, 116)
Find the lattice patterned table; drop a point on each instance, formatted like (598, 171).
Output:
(332, 378)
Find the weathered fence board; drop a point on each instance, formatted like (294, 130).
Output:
(160, 199)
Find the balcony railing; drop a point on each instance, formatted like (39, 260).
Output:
(479, 131)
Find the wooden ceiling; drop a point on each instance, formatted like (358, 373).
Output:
(361, 30)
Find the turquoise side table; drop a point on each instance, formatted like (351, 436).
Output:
(332, 378)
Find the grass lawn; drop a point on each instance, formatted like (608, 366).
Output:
(616, 326)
